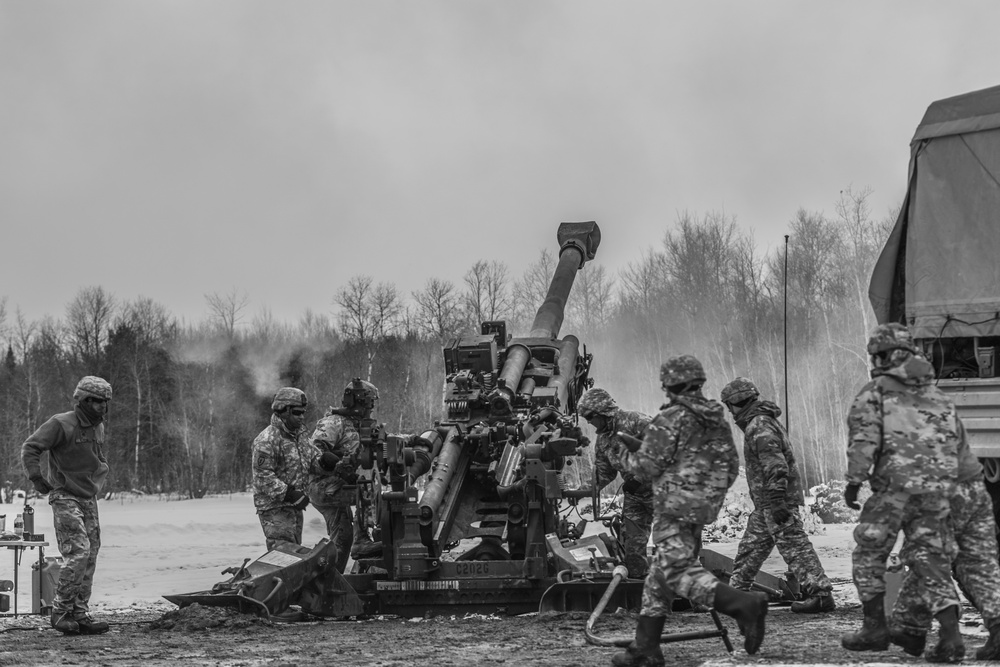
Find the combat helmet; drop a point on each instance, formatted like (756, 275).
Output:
(288, 397)
(360, 395)
(738, 391)
(681, 370)
(891, 336)
(92, 386)
(596, 402)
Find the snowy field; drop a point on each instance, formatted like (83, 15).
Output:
(153, 547)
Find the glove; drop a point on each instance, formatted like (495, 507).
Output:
(851, 496)
(779, 508)
(631, 485)
(296, 498)
(328, 461)
(42, 486)
(632, 443)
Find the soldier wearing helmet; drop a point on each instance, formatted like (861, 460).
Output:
(338, 434)
(904, 439)
(284, 465)
(776, 492)
(600, 410)
(77, 472)
(688, 455)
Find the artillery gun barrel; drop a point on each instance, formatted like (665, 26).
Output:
(578, 243)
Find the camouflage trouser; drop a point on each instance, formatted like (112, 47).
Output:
(762, 535)
(923, 519)
(78, 532)
(281, 524)
(340, 528)
(676, 570)
(637, 519)
(975, 566)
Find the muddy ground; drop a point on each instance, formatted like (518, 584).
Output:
(204, 636)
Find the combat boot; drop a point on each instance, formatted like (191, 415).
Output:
(874, 633)
(365, 548)
(815, 604)
(64, 623)
(911, 641)
(89, 626)
(991, 650)
(950, 647)
(749, 610)
(645, 650)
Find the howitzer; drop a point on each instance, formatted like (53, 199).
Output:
(484, 531)
(469, 509)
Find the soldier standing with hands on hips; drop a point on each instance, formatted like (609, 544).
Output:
(77, 472)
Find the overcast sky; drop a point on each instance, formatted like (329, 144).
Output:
(171, 149)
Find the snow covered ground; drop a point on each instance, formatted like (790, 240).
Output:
(153, 547)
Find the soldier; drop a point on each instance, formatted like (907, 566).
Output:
(337, 433)
(776, 493)
(77, 472)
(903, 439)
(600, 410)
(689, 456)
(284, 464)
(975, 567)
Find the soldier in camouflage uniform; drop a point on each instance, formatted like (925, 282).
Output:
(600, 410)
(976, 567)
(903, 440)
(77, 472)
(337, 433)
(776, 493)
(284, 465)
(688, 455)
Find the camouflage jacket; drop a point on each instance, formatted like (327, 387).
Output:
(689, 456)
(768, 454)
(969, 467)
(281, 459)
(335, 433)
(608, 450)
(903, 434)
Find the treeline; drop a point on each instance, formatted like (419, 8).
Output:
(189, 399)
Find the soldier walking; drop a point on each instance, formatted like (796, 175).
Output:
(333, 493)
(284, 464)
(600, 410)
(688, 455)
(77, 472)
(975, 567)
(776, 492)
(903, 440)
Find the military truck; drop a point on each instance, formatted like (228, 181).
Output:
(939, 272)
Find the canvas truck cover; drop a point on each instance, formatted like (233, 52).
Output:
(939, 272)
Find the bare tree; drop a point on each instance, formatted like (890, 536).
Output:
(437, 313)
(88, 318)
(487, 295)
(369, 313)
(591, 303)
(226, 310)
(529, 292)
(265, 329)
